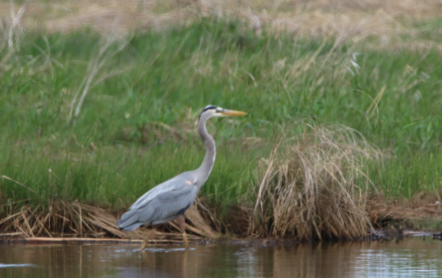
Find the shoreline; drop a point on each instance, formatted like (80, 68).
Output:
(378, 235)
(388, 218)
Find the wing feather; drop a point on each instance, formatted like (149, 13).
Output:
(161, 204)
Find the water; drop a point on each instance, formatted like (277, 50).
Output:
(412, 257)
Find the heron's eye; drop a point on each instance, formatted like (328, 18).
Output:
(219, 110)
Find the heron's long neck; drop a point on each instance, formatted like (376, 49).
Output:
(209, 159)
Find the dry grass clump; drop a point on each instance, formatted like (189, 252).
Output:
(60, 219)
(72, 219)
(308, 186)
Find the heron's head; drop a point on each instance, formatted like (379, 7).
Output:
(211, 111)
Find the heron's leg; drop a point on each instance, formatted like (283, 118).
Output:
(146, 241)
(182, 223)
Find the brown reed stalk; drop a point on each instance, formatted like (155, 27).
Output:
(310, 186)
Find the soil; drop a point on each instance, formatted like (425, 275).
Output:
(422, 211)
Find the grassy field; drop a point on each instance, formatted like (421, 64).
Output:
(102, 119)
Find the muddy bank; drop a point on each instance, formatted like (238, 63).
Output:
(421, 212)
(78, 223)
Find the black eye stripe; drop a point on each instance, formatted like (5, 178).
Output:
(208, 107)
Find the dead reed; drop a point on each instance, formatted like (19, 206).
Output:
(60, 219)
(75, 220)
(310, 186)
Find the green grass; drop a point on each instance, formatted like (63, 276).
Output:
(169, 76)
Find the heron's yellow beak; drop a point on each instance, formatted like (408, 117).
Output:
(227, 112)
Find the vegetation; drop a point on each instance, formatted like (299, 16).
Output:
(102, 119)
(308, 188)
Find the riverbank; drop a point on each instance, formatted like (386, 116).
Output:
(90, 223)
(95, 119)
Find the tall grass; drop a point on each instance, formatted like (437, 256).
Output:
(136, 125)
(308, 186)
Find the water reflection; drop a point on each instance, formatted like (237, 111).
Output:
(410, 258)
(15, 265)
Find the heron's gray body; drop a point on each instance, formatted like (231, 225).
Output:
(172, 198)
(161, 204)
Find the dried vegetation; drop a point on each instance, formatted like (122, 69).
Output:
(422, 207)
(58, 220)
(72, 219)
(344, 19)
(308, 186)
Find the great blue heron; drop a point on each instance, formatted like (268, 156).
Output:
(170, 199)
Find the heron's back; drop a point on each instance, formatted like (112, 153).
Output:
(162, 203)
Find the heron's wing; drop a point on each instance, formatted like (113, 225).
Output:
(161, 204)
(168, 205)
(174, 183)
